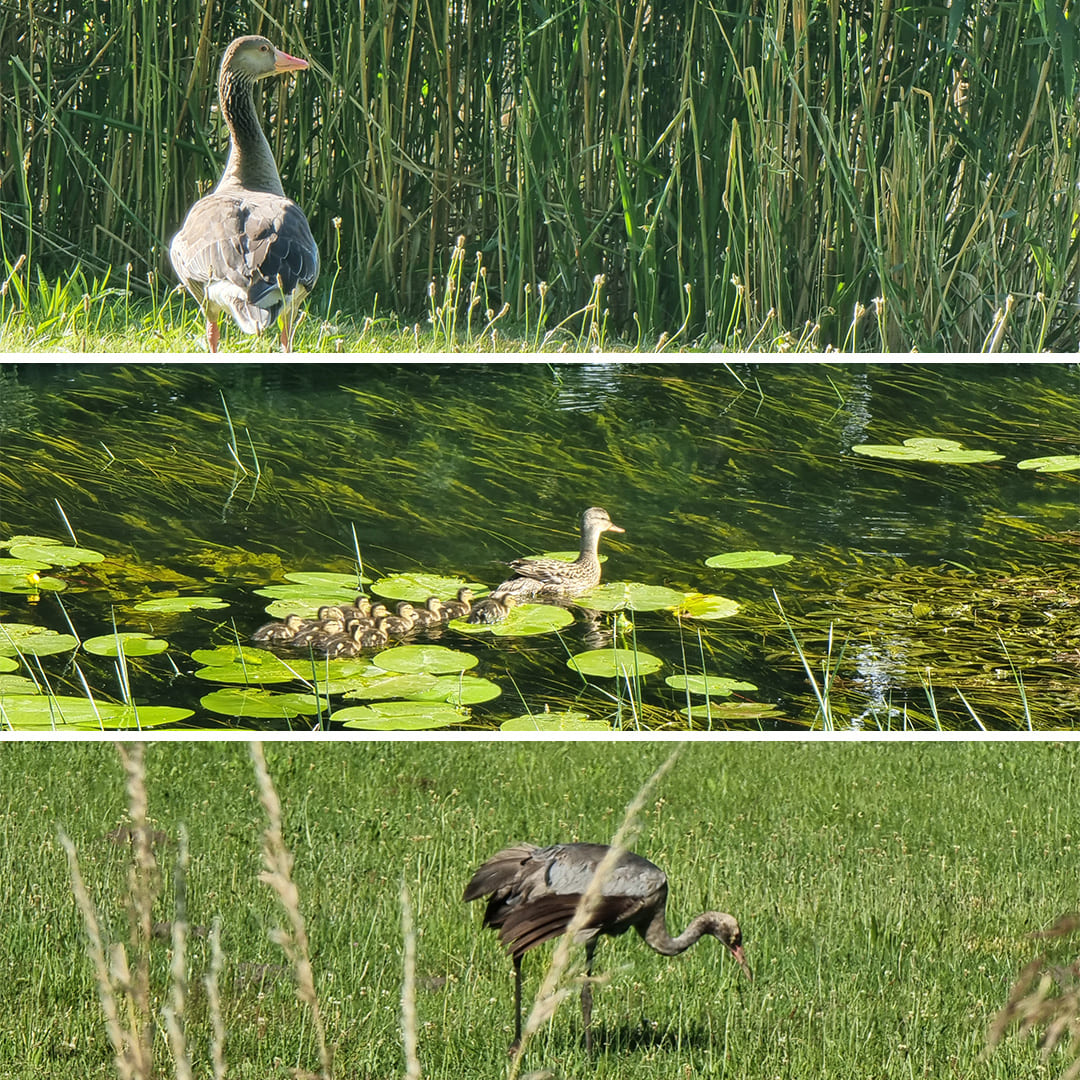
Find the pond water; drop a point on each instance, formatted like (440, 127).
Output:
(919, 594)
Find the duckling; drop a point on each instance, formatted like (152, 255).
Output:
(492, 608)
(318, 633)
(431, 614)
(280, 631)
(334, 611)
(361, 606)
(374, 637)
(403, 622)
(459, 608)
(341, 646)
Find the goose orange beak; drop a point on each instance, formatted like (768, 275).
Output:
(284, 62)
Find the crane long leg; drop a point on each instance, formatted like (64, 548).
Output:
(586, 995)
(516, 1044)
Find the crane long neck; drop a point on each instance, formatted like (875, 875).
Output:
(251, 164)
(657, 937)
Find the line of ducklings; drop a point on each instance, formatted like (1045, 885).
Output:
(347, 630)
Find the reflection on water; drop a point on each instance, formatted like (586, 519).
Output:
(457, 468)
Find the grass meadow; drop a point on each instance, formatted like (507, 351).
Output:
(887, 895)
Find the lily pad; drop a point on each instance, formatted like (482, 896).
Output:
(733, 712)
(706, 606)
(16, 684)
(178, 604)
(710, 686)
(629, 596)
(245, 665)
(21, 567)
(615, 663)
(523, 621)
(400, 716)
(934, 450)
(37, 541)
(34, 640)
(433, 659)
(747, 560)
(7, 664)
(348, 582)
(61, 713)
(307, 599)
(1054, 463)
(249, 703)
(554, 721)
(416, 588)
(56, 554)
(133, 645)
(31, 584)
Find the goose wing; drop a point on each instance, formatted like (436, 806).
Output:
(246, 253)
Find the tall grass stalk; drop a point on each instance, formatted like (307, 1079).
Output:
(277, 874)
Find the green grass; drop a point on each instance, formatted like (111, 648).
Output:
(886, 894)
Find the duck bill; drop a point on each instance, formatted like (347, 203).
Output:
(740, 956)
(284, 62)
(612, 527)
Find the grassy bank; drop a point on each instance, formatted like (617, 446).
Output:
(885, 891)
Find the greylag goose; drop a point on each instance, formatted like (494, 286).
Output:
(551, 579)
(245, 248)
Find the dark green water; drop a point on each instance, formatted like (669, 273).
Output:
(456, 468)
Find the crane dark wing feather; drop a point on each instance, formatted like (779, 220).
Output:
(523, 926)
(499, 873)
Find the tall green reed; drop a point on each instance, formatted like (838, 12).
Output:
(722, 167)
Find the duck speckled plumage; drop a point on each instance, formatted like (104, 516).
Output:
(552, 579)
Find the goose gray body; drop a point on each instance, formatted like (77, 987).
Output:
(246, 248)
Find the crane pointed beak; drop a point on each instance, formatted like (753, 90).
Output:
(737, 952)
(284, 62)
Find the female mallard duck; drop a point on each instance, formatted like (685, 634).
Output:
(459, 608)
(552, 579)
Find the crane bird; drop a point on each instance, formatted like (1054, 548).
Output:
(532, 894)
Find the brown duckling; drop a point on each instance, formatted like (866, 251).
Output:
(318, 633)
(373, 637)
(401, 623)
(459, 608)
(493, 608)
(431, 614)
(341, 646)
(280, 631)
(361, 606)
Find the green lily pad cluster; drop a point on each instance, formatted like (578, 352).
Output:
(23, 570)
(935, 450)
(405, 688)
